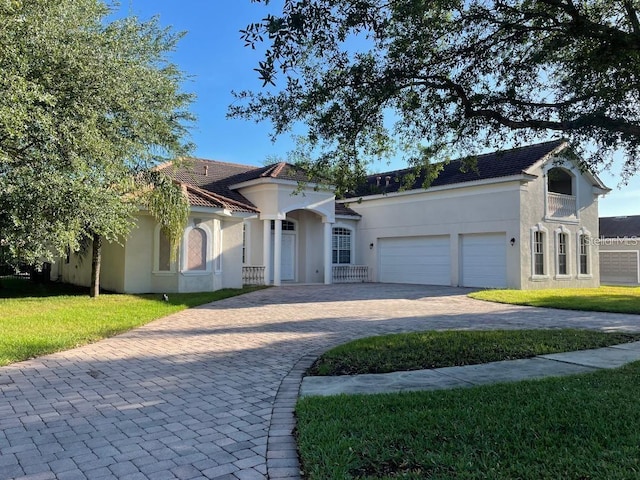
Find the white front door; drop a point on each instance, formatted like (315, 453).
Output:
(287, 257)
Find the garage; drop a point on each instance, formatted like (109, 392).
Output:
(424, 260)
(619, 267)
(483, 260)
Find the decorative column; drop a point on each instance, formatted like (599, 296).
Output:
(277, 253)
(328, 268)
(266, 250)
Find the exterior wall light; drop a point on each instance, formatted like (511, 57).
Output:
(371, 246)
(512, 241)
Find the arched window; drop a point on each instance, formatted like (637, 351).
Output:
(559, 181)
(341, 245)
(197, 249)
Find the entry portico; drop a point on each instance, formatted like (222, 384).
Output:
(302, 250)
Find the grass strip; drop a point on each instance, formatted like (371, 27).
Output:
(435, 349)
(579, 427)
(48, 322)
(603, 299)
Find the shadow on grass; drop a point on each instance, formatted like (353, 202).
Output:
(11, 287)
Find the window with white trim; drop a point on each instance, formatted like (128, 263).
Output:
(197, 250)
(164, 252)
(217, 246)
(341, 245)
(539, 266)
(562, 252)
(583, 254)
(244, 243)
(538, 253)
(287, 226)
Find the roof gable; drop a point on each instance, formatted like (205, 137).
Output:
(211, 183)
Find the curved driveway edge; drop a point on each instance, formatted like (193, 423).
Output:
(209, 392)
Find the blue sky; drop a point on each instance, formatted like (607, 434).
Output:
(215, 58)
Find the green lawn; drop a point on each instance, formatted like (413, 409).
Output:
(432, 349)
(572, 428)
(40, 319)
(603, 299)
(583, 427)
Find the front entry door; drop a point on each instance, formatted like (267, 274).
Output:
(288, 257)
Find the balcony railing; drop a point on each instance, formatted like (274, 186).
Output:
(561, 206)
(253, 275)
(350, 273)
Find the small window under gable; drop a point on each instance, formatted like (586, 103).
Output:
(560, 181)
(561, 198)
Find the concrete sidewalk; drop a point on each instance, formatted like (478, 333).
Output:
(554, 365)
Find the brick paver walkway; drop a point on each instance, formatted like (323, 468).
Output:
(209, 392)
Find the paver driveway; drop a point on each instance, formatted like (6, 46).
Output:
(209, 392)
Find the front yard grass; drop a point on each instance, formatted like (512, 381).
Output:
(579, 427)
(59, 317)
(602, 299)
(434, 349)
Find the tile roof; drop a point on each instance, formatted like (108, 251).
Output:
(342, 209)
(620, 227)
(503, 163)
(202, 198)
(208, 182)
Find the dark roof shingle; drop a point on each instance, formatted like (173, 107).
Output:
(620, 227)
(503, 163)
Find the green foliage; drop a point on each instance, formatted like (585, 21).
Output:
(374, 77)
(85, 105)
(169, 206)
(603, 299)
(579, 427)
(416, 351)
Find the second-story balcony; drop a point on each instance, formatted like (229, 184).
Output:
(561, 206)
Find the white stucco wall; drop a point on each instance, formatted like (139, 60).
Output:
(224, 235)
(452, 212)
(308, 209)
(78, 270)
(533, 212)
(511, 208)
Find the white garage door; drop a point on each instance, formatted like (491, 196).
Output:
(619, 267)
(484, 260)
(421, 260)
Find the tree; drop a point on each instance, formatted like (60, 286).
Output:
(87, 107)
(368, 77)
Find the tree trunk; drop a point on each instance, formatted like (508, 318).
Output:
(96, 258)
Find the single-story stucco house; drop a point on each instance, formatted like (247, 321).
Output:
(522, 218)
(619, 244)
